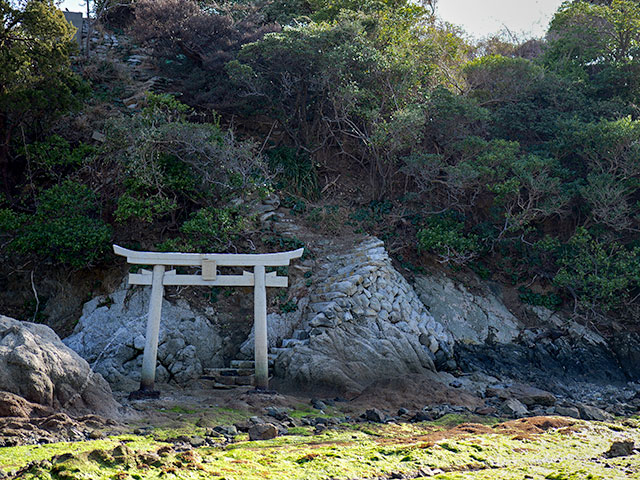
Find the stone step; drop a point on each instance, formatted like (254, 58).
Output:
(242, 364)
(246, 380)
(228, 372)
(220, 386)
(217, 385)
(246, 364)
(230, 381)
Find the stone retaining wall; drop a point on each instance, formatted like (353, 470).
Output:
(363, 323)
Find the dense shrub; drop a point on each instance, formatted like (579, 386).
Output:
(54, 157)
(209, 230)
(444, 236)
(64, 229)
(171, 165)
(295, 172)
(601, 274)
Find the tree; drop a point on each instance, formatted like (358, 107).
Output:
(192, 41)
(583, 35)
(354, 86)
(205, 36)
(36, 81)
(527, 101)
(607, 155)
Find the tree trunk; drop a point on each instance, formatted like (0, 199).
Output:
(5, 139)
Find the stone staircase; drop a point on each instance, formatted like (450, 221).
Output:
(137, 61)
(239, 373)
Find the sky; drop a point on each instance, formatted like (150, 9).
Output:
(526, 18)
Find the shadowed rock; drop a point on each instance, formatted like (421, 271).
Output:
(620, 448)
(263, 431)
(36, 365)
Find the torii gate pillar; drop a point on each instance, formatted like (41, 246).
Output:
(148, 376)
(261, 345)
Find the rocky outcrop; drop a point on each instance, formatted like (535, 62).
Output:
(37, 366)
(550, 351)
(470, 317)
(111, 336)
(363, 323)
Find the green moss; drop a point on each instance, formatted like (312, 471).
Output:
(454, 419)
(303, 410)
(179, 409)
(362, 452)
(225, 415)
(12, 458)
(302, 431)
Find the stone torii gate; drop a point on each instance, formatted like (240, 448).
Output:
(208, 262)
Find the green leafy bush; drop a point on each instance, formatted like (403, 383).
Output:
(209, 229)
(65, 228)
(602, 274)
(551, 300)
(295, 172)
(169, 165)
(144, 208)
(54, 157)
(444, 236)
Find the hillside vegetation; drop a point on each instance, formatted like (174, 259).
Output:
(517, 160)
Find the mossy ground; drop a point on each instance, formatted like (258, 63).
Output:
(540, 448)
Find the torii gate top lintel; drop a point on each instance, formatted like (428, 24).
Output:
(221, 259)
(258, 279)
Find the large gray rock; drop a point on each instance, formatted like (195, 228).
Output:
(36, 365)
(471, 318)
(363, 323)
(111, 336)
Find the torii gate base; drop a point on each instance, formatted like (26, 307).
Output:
(259, 280)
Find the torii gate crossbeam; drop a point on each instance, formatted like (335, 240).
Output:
(159, 278)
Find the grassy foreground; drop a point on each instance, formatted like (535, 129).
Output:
(538, 448)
